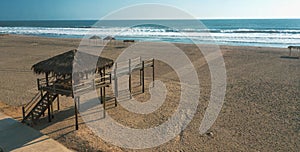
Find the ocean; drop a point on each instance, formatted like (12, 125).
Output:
(239, 32)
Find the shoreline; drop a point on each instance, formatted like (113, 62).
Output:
(219, 45)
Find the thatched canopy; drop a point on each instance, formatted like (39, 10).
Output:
(95, 37)
(109, 38)
(62, 64)
(294, 47)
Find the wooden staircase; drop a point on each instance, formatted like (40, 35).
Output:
(36, 108)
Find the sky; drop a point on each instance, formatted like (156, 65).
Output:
(95, 9)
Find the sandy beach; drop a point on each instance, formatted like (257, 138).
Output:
(261, 110)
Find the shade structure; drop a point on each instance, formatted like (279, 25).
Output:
(109, 38)
(95, 37)
(63, 64)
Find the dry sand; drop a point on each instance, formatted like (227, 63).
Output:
(261, 110)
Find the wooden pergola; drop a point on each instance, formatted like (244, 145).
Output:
(59, 80)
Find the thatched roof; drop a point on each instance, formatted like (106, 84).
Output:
(109, 38)
(294, 47)
(62, 64)
(95, 37)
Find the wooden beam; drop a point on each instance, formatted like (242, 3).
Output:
(143, 77)
(101, 95)
(58, 108)
(153, 78)
(116, 81)
(49, 112)
(104, 102)
(51, 106)
(140, 71)
(129, 72)
(47, 79)
(76, 113)
(23, 111)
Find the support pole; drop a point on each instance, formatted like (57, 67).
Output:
(290, 54)
(51, 106)
(23, 112)
(104, 74)
(143, 77)
(153, 78)
(104, 105)
(58, 108)
(76, 113)
(140, 72)
(101, 95)
(110, 78)
(103, 87)
(129, 73)
(49, 112)
(47, 79)
(116, 102)
(78, 105)
(116, 81)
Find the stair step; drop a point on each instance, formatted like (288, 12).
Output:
(35, 113)
(40, 107)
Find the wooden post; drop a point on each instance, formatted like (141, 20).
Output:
(78, 105)
(110, 78)
(32, 116)
(23, 112)
(140, 71)
(52, 115)
(116, 81)
(104, 102)
(104, 74)
(153, 78)
(47, 79)
(38, 83)
(129, 73)
(39, 87)
(49, 112)
(290, 54)
(58, 108)
(101, 95)
(143, 77)
(93, 81)
(76, 113)
(103, 87)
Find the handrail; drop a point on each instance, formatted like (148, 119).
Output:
(29, 105)
(26, 116)
(34, 98)
(43, 80)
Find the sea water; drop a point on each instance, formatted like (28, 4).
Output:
(239, 32)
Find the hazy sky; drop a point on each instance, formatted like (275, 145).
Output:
(94, 9)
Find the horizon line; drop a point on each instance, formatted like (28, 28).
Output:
(150, 19)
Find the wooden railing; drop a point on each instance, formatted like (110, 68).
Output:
(89, 85)
(30, 104)
(43, 82)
